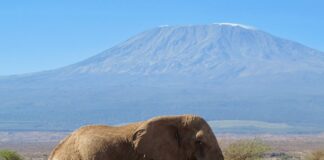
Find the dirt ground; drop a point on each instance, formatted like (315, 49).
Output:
(38, 145)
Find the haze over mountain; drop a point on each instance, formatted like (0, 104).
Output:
(220, 71)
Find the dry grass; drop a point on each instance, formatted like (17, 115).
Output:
(316, 155)
(246, 150)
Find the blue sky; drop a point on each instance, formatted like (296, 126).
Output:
(38, 35)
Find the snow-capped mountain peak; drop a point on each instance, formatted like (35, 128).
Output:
(212, 50)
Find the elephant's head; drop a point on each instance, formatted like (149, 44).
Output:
(176, 138)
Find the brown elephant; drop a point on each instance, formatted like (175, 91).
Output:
(185, 137)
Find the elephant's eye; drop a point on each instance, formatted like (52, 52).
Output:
(199, 142)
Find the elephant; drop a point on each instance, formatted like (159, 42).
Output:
(181, 137)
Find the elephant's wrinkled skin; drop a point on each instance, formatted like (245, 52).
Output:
(184, 137)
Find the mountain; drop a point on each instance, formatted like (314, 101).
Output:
(220, 71)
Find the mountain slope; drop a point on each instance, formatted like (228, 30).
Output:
(203, 49)
(220, 71)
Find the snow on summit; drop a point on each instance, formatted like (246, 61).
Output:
(235, 25)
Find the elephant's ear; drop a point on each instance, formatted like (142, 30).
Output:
(158, 140)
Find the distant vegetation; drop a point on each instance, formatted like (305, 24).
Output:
(257, 127)
(246, 150)
(9, 155)
(316, 155)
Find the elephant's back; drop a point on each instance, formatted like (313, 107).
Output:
(65, 149)
(108, 131)
(91, 138)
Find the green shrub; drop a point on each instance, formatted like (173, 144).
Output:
(246, 150)
(9, 155)
(316, 155)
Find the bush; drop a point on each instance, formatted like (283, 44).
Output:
(282, 156)
(316, 155)
(9, 155)
(246, 150)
